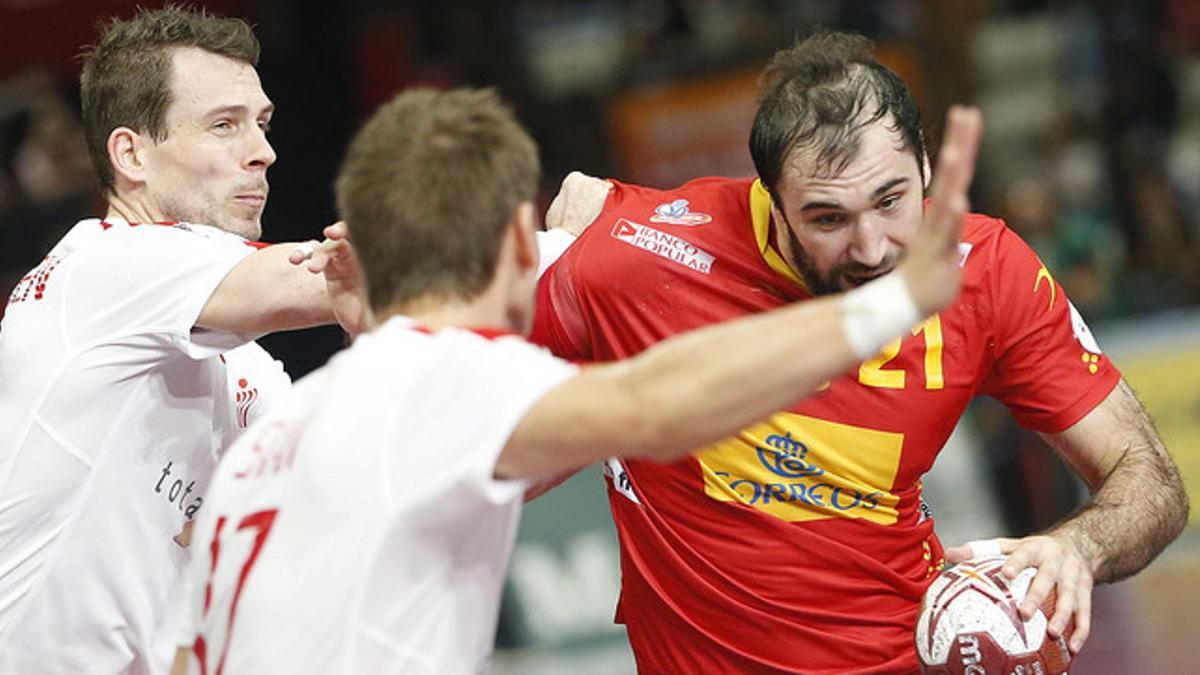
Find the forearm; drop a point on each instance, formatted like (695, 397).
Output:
(1139, 507)
(266, 293)
(684, 393)
(752, 368)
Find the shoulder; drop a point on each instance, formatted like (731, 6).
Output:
(117, 236)
(709, 187)
(980, 229)
(993, 247)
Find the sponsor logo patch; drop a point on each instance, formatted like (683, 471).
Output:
(615, 472)
(800, 468)
(677, 213)
(244, 398)
(666, 245)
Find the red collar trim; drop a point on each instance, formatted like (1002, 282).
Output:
(483, 332)
(165, 223)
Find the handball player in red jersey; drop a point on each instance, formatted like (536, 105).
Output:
(802, 544)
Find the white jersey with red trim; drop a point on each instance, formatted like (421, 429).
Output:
(359, 528)
(113, 409)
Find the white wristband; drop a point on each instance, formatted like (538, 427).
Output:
(984, 548)
(877, 313)
(551, 245)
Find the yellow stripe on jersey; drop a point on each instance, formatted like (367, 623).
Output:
(760, 216)
(800, 468)
(1044, 273)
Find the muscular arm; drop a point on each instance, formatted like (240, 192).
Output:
(683, 393)
(265, 293)
(1138, 505)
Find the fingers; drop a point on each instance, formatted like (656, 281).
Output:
(1039, 589)
(319, 254)
(326, 254)
(1059, 568)
(1083, 615)
(1064, 570)
(954, 172)
(337, 231)
(302, 252)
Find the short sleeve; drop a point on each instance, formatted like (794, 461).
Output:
(558, 321)
(1047, 367)
(521, 375)
(152, 281)
(464, 393)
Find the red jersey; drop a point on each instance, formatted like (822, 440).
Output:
(802, 544)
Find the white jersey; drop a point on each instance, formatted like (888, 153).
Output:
(359, 528)
(112, 412)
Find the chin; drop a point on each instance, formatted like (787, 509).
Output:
(248, 229)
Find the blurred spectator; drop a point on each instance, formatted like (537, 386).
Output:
(47, 184)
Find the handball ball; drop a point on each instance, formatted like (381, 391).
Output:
(970, 624)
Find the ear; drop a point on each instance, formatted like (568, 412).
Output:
(926, 170)
(524, 224)
(126, 154)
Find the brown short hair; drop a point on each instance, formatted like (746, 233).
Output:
(820, 94)
(428, 188)
(126, 75)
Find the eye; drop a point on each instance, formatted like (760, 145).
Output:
(265, 125)
(890, 202)
(223, 126)
(829, 221)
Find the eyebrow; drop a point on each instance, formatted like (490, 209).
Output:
(879, 192)
(239, 109)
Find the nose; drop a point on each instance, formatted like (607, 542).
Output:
(260, 154)
(870, 244)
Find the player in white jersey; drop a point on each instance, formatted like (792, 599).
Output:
(365, 525)
(113, 410)
(126, 361)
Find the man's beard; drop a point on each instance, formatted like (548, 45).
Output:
(247, 228)
(828, 284)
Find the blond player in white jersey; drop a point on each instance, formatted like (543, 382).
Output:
(126, 361)
(365, 525)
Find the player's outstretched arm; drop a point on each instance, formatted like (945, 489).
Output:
(1139, 505)
(697, 388)
(265, 292)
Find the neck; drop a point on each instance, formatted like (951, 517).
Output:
(130, 210)
(435, 312)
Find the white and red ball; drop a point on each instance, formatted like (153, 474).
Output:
(970, 624)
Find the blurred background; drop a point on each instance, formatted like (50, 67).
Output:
(1092, 154)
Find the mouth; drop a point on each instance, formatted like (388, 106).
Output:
(252, 201)
(856, 280)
